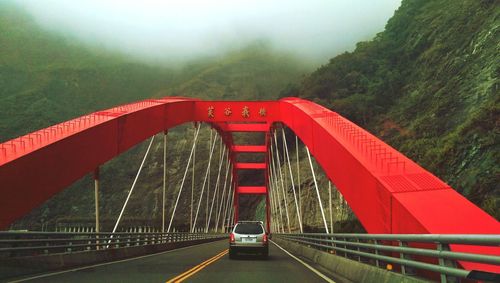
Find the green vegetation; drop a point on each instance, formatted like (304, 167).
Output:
(47, 78)
(428, 85)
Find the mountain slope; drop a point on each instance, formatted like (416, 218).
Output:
(55, 78)
(428, 85)
(47, 78)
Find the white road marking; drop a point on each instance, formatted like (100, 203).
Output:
(103, 264)
(305, 264)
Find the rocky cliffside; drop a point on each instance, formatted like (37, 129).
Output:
(429, 86)
(47, 78)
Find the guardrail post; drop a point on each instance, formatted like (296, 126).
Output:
(404, 269)
(96, 200)
(326, 243)
(359, 250)
(329, 243)
(446, 263)
(345, 246)
(441, 263)
(377, 262)
(401, 255)
(334, 245)
(46, 251)
(319, 242)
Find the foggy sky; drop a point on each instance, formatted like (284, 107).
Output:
(179, 30)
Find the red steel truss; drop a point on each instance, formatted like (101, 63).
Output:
(388, 192)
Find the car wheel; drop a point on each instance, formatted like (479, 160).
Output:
(265, 253)
(232, 254)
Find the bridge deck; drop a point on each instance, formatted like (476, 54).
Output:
(279, 267)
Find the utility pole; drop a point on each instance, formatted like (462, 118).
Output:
(96, 200)
(330, 205)
(192, 187)
(164, 181)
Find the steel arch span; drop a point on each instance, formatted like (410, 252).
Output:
(388, 192)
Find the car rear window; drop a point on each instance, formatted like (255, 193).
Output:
(248, 228)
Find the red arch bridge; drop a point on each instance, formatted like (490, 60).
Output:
(415, 222)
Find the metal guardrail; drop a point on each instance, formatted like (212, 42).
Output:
(408, 251)
(16, 244)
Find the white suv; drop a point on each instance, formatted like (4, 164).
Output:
(248, 236)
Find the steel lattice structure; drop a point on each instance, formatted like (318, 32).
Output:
(388, 192)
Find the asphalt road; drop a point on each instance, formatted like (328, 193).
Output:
(279, 267)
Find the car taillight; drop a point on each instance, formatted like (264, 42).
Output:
(231, 238)
(264, 238)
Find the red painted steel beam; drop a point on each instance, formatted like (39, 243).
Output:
(266, 180)
(36, 166)
(252, 190)
(247, 127)
(249, 148)
(388, 192)
(249, 166)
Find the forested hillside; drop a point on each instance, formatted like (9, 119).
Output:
(46, 78)
(54, 78)
(429, 86)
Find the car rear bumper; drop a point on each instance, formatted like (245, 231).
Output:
(248, 245)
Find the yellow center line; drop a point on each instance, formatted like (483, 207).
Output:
(194, 270)
(199, 268)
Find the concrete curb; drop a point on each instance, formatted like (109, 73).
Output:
(29, 265)
(349, 269)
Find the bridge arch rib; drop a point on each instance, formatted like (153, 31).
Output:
(387, 191)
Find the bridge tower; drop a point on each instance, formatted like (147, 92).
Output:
(259, 188)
